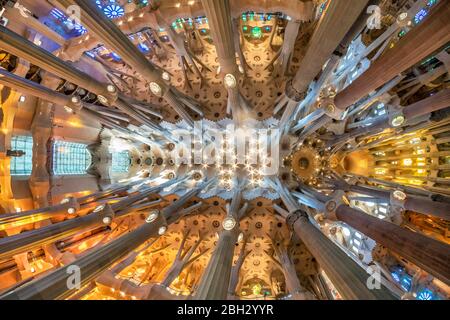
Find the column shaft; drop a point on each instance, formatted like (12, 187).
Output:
(431, 255)
(345, 274)
(430, 35)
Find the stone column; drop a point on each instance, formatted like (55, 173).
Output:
(338, 18)
(221, 26)
(424, 39)
(428, 254)
(286, 265)
(403, 200)
(235, 271)
(112, 37)
(21, 47)
(103, 214)
(91, 265)
(216, 277)
(182, 259)
(345, 274)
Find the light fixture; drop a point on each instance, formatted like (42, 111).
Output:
(65, 200)
(68, 109)
(99, 208)
(398, 120)
(71, 210)
(155, 89)
(153, 215)
(107, 220)
(228, 223)
(162, 230)
(22, 99)
(111, 88)
(230, 81)
(166, 76)
(240, 237)
(399, 195)
(102, 99)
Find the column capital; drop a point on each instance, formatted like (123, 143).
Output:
(294, 216)
(293, 94)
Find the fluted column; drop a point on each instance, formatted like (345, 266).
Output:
(428, 254)
(430, 35)
(216, 277)
(91, 265)
(334, 24)
(21, 47)
(235, 272)
(103, 214)
(405, 201)
(112, 37)
(345, 274)
(221, 26)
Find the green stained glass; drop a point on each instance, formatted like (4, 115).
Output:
(22, 166)
(256, 32)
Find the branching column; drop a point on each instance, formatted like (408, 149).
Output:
(216, 277)
(220, 23)
(112, 37)
(345, 274)
(431, 255)
(182, 259)
(55, 285)
(430, 35)
(336, 21)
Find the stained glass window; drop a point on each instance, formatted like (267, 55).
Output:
(425, 294)
(120, 161)
(22, 166)
(70, 158)
(113, 11)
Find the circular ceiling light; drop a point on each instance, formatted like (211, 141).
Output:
(166, 76)
(162, 230)
(230, 81)
(228, 223)
(398, 120)
(399, 195)
(155, 89)
(152, 216)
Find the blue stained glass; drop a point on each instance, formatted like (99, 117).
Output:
(113, 11)
(70, 24)
(406, 282)
(120, 162)
(115, 56)
(395, 276)
(425, 294)
(70, 158)
(431, 2)
(143, 47)
(420, 15)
